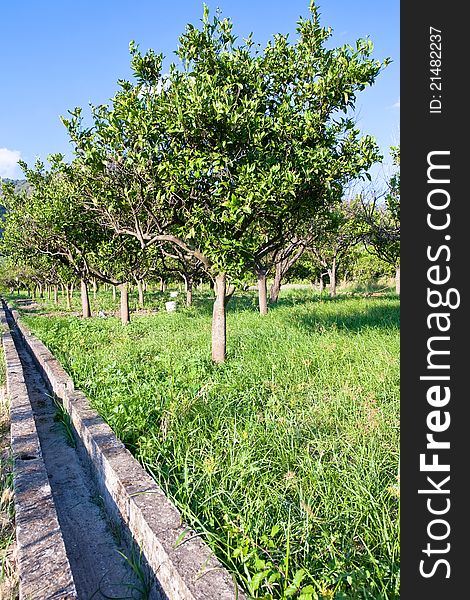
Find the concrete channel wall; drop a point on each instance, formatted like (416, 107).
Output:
(42, 559)
(185, 567)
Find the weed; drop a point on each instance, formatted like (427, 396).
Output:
(62, 418)
(114, 525)
(135, 562)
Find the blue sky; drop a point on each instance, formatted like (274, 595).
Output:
(56, 55)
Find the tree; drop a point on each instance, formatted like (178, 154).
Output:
(332, 235)
(46, 223)
(365, 266)
(226, 155)
(324, 242)
(52, 221)
(381, 221)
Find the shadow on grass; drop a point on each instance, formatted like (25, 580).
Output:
(22, 304)
(242, 301)
(381, 312)
(375, 312)
(380, 316)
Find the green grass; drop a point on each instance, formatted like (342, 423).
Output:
(64, 424)
(285, 457)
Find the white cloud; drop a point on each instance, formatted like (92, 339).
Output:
(8, 163)
(397, 104)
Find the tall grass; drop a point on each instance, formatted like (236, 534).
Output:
(286, 456)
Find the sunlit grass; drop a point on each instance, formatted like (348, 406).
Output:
(286, 456)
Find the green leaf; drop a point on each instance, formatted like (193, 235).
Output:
(256, 580)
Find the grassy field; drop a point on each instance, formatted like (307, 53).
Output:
(285, 458)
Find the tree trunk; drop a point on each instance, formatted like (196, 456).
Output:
(276, 285)
(124, 304)
(397, 279)
(287, 259)
(56, 294)
(140, 289)
(48, 292)
(41, 295)
(188, 284)
(86, 312)
(219, 333)
(332, 274)
(68, 297)
(162, 285)
(72, 288)
(262, 292)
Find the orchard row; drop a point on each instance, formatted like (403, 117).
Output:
(230, 164)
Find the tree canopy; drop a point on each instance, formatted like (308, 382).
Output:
(218, 161)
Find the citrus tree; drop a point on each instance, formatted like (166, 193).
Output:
(223, 157)
(381, 221)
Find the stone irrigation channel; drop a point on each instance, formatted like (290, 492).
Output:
(90, 522)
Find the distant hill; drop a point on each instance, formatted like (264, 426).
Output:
(20, 184)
